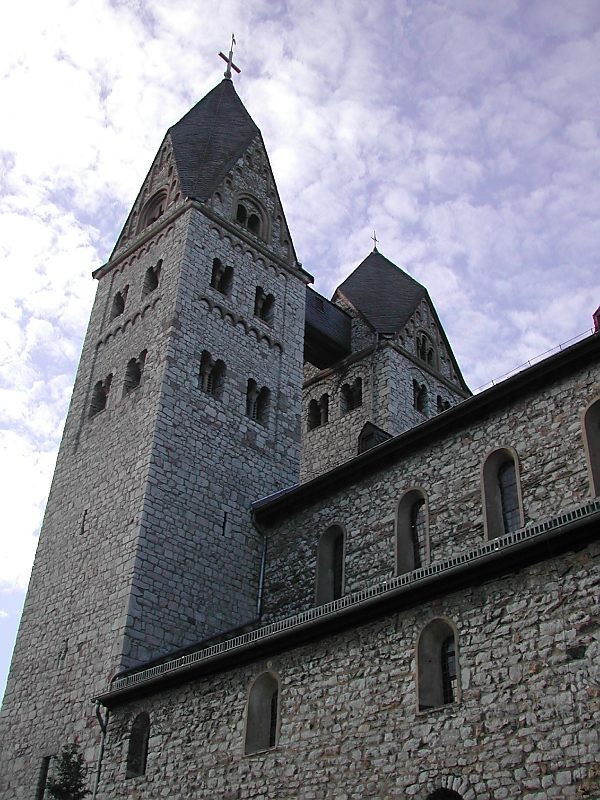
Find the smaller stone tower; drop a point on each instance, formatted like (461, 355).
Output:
(377, 362)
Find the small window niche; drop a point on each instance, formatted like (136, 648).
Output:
(221, 278)
(501, 488)
(264, 305)
(250, 217)
(152, 278)
(437, 673)
(591, 429)
(257, 402)
(153, 210)
(262, 714)
(118, 303)
(351, 396)
(444, 794)
(426, 349)
(412, 532)
(330, 566)
(420, 397)
(442, 405)
(137, 753)
(318, 412)
(100, 395)
(212, 375)
(133, 372)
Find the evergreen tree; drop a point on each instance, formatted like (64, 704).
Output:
(71, 774)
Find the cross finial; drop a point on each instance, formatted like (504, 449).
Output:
(229, 60)
(375, 240)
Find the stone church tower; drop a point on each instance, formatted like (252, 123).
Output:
(378, 362)
(186, 408)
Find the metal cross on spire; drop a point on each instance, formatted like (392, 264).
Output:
(375, 240)
(229, 60)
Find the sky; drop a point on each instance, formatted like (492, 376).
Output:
(464, 132)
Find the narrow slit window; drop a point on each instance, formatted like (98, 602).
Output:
(448, 656)
(437, 665)
(417, 530)
(509, 498)
(330, 566)
(137, 753)
(262, 714)
(151, 279)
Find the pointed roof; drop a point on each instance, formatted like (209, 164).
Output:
(209, 139)
(384, 294)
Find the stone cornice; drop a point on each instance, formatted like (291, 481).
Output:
(169, 219)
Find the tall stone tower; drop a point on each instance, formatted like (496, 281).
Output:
(186, 408)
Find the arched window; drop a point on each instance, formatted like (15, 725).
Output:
(264, 305)
(212, 375)
(249, 216)
(257, 402)
(262, 714)
(138, 746)
(437, 665)
(151, 278)
(118, 303)
(254, 224)
(154, 209)
(241, 214)
(502, 502)
(444, 794)
(133, 373)
(351, 396)
(100, 395)
(318, 412)
(442, 405)
(425, 349)
(412, 537)
(221, 278)
(330, 566)
(420, 399)
(591, 427)
(262, 405)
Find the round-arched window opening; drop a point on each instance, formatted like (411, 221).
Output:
(254, 224)
(249, 216)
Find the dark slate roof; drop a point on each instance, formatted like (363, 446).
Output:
(209, 139)
(384, 294)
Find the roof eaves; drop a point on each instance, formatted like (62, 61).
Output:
(459, 415)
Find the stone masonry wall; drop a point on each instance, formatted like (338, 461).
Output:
(210, 461)
(525, 726)
(390, 406)
(545, 430)
(71, 634)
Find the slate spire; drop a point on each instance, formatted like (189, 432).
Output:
(209, 139)
(384, 294)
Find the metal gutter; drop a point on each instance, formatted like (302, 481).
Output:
(490, 559)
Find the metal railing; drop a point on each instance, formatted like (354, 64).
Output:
(535, 360)
(357, 598)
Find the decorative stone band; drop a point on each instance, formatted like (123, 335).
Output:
(327, 616)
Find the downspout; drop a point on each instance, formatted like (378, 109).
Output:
(261, 578)
(103, 727)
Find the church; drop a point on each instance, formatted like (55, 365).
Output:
(287, 553)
